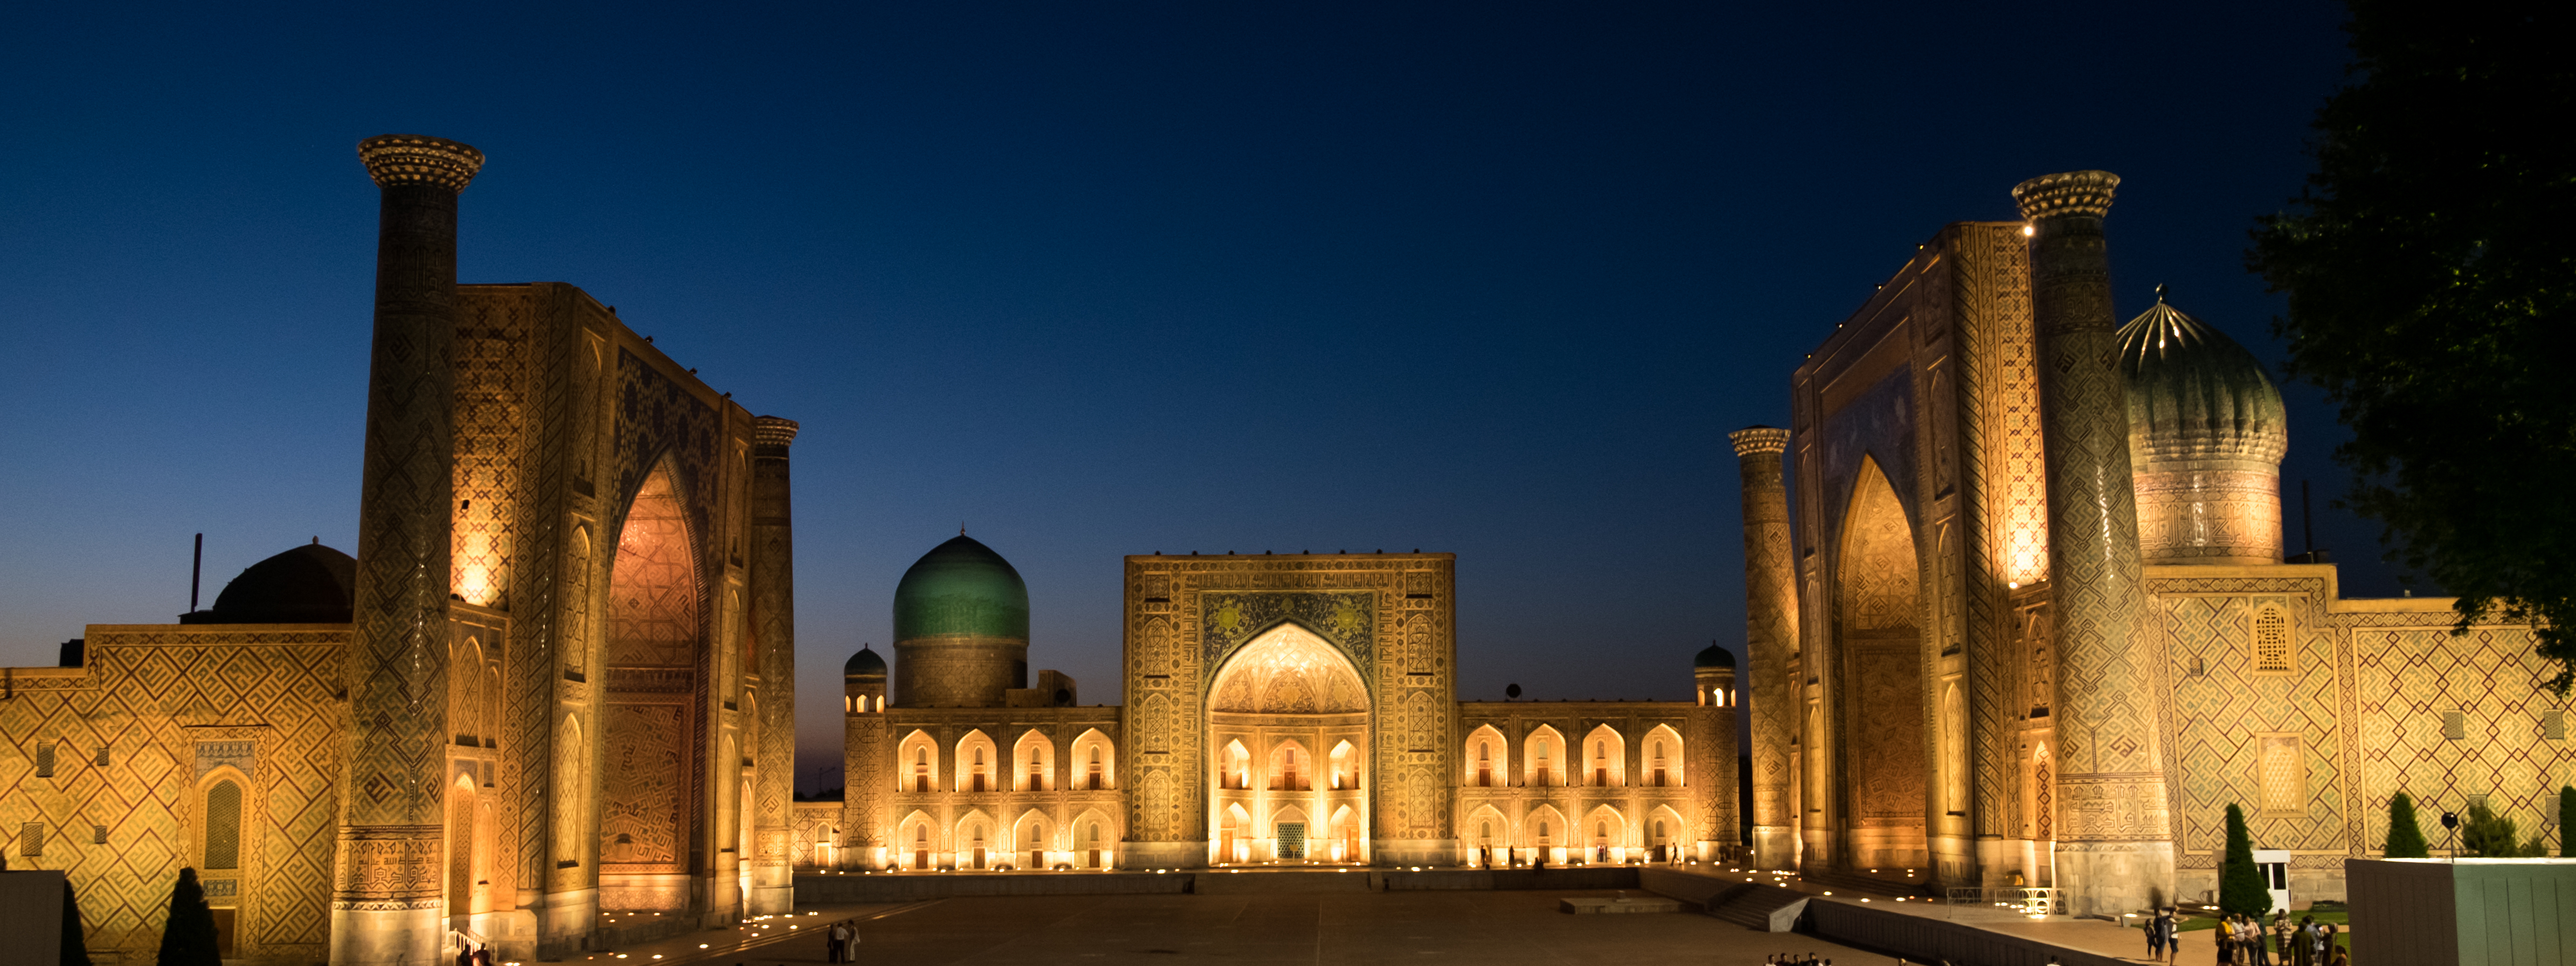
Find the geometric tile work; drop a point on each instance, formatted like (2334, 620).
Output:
(152, 695)
(2003, 493)
(2369, 682)
(2218, 713)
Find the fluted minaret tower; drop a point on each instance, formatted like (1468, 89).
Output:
(1770, 642)
(2114, 829)
(773, 620)
(385, 898)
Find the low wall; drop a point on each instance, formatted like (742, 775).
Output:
(916, 886)
(2437, 913)
(1487, 880)
(1920, 937)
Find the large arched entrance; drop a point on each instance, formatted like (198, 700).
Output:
(1281, 701)
(1878, 624)
(655, 636)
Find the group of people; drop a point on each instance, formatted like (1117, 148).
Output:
(841, 943)
(2241, 940)
(1793, 959)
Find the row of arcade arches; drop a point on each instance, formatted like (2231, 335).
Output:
(976, 764)
(1546, 759)
(1031, 840)
(1604, 835)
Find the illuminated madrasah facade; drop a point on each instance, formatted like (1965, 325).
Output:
(2032, 624)
(547, 704)
(1290, 709)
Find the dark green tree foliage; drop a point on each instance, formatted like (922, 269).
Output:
(2405, 838)
(75, 946)
(2431, 277)
(2241, 887)
(188, 939)
(2487, 835)
(2566, 814)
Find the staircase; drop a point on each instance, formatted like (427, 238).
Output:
(1767, 908)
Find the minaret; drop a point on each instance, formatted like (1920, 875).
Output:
(773, 621)
(1713, 725)
(386, 896)
(2114, 829)
(1770, 642)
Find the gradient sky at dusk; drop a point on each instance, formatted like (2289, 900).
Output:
(1097, 279)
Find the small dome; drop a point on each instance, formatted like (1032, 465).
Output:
(2196, 394)
(961, 588)
(311, 584)
(1714, 656)
(865, 664)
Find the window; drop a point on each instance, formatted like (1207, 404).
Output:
(2455, 726)
(2553, 725)
(31, 839)
(44, 759)
(223, 825)
(2271, 640)
(2284, 774)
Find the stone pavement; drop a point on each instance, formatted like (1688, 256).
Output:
(1484, 928)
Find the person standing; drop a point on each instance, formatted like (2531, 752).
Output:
(833, 943)
(2154, 927)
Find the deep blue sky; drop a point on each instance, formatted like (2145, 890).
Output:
(1096, 279)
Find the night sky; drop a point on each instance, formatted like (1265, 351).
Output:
(1098, 279)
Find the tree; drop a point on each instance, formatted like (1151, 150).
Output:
(2426, 268)
(2241, 886)
(188, 939)
(2405, 837)
(2487, 835)
(2566, 814)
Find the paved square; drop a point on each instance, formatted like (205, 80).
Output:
(1485, 928)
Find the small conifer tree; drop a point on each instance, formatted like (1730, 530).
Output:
(2566, 814)
(2241, 887)
(2485, 834)
(2405, 838)
(188, 939)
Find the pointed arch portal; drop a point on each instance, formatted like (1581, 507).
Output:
(1288, 727)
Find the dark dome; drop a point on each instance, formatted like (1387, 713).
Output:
(1714, 656)
(961, 588)
(311, 584)
(865, 664)
(2195, 394)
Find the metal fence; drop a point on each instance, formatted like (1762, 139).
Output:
(2022, 900)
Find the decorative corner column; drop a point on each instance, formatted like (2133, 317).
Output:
(387, 889)
(1770, 642)
(2115, 849)
(773, 619)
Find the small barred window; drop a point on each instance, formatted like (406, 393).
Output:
(223, 826)
(2455, 726)
(31, 839)
(2271, 641)
(44, 760)
(2553, 725)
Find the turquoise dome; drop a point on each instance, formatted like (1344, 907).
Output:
(2196, 394)
(865, 664)
(961, 588)
(1714, 656)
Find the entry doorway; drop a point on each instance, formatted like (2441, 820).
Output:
(1292, 840)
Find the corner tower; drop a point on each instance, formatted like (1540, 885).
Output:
(385, 896)
(2115, 848)
(961, 629)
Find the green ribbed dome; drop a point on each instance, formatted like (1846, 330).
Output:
(961, 588)
(2196, 394)
(1714, 656)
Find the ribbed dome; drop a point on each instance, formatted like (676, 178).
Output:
(2195, 394)
(961, 588)
(311, 584)
(865, 664)
(1714, 656)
